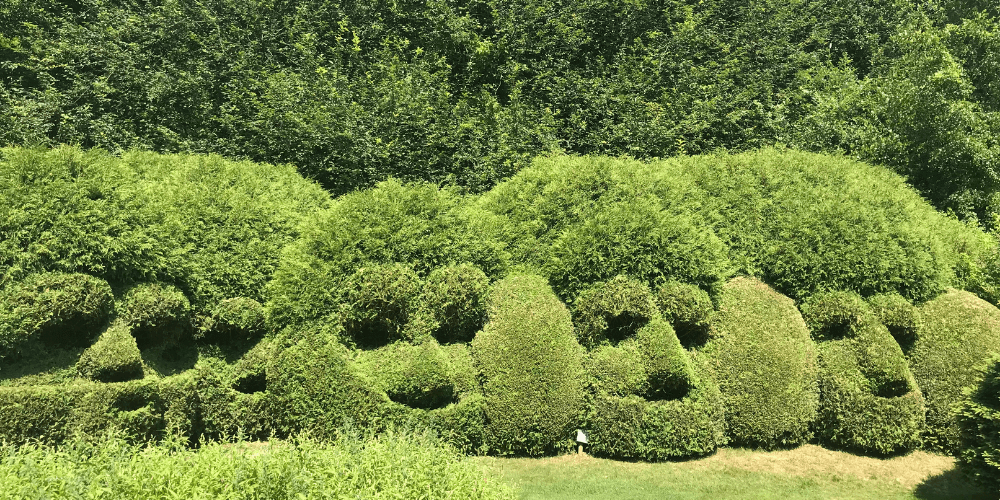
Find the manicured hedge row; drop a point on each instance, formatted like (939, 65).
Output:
(765, 363)
(869, 400)
(960, 332)
(531, 369)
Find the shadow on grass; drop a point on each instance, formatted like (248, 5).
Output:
(952, 484)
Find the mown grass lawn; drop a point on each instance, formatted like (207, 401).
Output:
(808, 472)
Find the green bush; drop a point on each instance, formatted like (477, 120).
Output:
(869, 400)
(315, 386)
(808, 223)
(902, 318)
(238, 319)
(212, 227)
(417, 225)
(142, 409)
(689, 309)
(978, 422)
(234, 399)
(432, 386)
(765, 363)
(454, 299)
(377, 302)
(58, 309)
(114, 358)
(960, 332)
(647, 398)
(585, 220)
(609, 312)
(156, 313)
(530, 366)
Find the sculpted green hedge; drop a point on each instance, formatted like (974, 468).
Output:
(531, 369)
(960, 332)
(646, 397)
(115, 357)
(211, 227)
(977, 419)
(765, 363)
(55, 309)
(869, 400)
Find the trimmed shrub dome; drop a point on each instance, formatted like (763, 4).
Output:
(869, 400)
(765, 362)
(978, 422)
(114, 358)
(530, 365)
(960, 332)
(158, 314)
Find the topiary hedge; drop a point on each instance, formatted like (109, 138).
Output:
(977, 419)
(376, 303)
(416, 225)
(454, 299)
(212, 227)
(960, 332)
(57, 309)
(142, 409)
(315, 386)
(902, 318)
(156, 313)
(689, 309)
(646, 398)
(234, 320)
(765, 363)
(430, 385)
(114, 358)
(530, 366)
(869, 400)
(585, 220)
(807, 223)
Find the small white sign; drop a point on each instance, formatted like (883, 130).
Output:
(581, 437)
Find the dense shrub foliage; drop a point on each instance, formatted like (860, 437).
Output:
(978, 421)
(646, 398)
(454, 300)
(211, 227)
(157, 314)
(689, 309)
(586, 220)
(869, 400)
(765, 364)
(239, 319)
(415, 225)
(395, 464)
(809, 223)
(531, 369)
(115, 357)
(902, 318)
(469, 90)
(57, 309)
(960, 332)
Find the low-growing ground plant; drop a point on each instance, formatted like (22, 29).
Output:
(397, 463)
(869, 400)
(960, 332)
(530, 365)
(766, 366)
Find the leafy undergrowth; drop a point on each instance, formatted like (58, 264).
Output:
(394, 465)
(807, 472)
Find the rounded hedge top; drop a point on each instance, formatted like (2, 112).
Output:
(213, 227)
(611, 311)
(978, 418)
(766, 365)
(531, 367)
(585, 220)
(960, 332)
(418, 225)
(808, 223)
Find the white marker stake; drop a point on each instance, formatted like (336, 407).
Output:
(581, 439)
